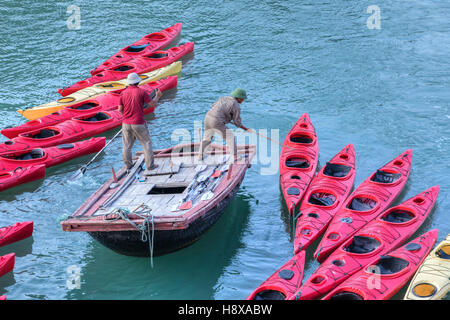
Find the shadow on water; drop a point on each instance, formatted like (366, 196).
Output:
(190, 273)
(20, 248)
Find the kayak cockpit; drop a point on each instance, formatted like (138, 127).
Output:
(362, 245)
(385, 177)
(336, 170)
(362, 204)
(388, 265)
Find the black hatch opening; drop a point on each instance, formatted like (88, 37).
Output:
(123, 68)
(346, 295)
(385, 177)
(136, 48)
(97, 117)
(300, 138)
(157, 55)
(362, 245)
(33, 154)
(167, 190)
(388, 265)
(398, 216)
(336, 170)
(322, 199)
(42, 134)
(84, 106)
(269, 295)
(297, 162)
(362, 204)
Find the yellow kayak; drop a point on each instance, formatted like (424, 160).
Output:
(96, 90)
(432, 280)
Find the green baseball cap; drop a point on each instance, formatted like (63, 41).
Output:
(239, 93)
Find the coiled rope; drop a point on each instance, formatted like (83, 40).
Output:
(144, 228)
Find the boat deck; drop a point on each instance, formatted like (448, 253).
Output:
(177, 192)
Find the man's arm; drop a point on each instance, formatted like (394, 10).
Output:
(152, 102)
(120, 108)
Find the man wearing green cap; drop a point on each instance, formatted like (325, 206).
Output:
(223, 111)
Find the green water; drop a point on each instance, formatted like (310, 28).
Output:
(384, 90)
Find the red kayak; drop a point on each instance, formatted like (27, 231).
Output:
(146, 63)
(51, 156)
(379, 237)
(2, 297)
(106, 102)
(325, 196)
(284, 282)
(75, 129)
(6, 263)
(9, 179)
(15, 232)
(298, 161)
(149, 43)
(388, 274)
(372, 197)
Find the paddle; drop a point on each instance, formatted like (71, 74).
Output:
(260, 134)
(80, 172)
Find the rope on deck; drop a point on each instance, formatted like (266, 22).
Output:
(144, 228)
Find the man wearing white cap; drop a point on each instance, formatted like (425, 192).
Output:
(133, 101)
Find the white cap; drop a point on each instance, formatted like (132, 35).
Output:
(133, 78)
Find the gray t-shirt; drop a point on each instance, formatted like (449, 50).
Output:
(225, 110)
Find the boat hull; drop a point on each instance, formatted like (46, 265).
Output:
(130, 243)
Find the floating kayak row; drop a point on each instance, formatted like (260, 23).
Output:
(96, 90)
(89, 108)
(388, 274)
(148, 44)
(360, 253)
(105, 102)
(146, 63)
(377, 238)
(373, 196)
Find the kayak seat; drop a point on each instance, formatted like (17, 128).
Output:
(362, 204)
(123, 68)
(336, 170)
(299, 163)
(322, 199)
(389, 265)
(362, 244)
(444, 252)
(98, 117)
(385, 177)
(33, 154)
(300, 138)
(157, 55)
(346, 295)
(398, 216)
(269, 295)
(44, 133)
(85, 106)
(136, 48)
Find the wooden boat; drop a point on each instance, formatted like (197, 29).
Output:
(139, 215)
